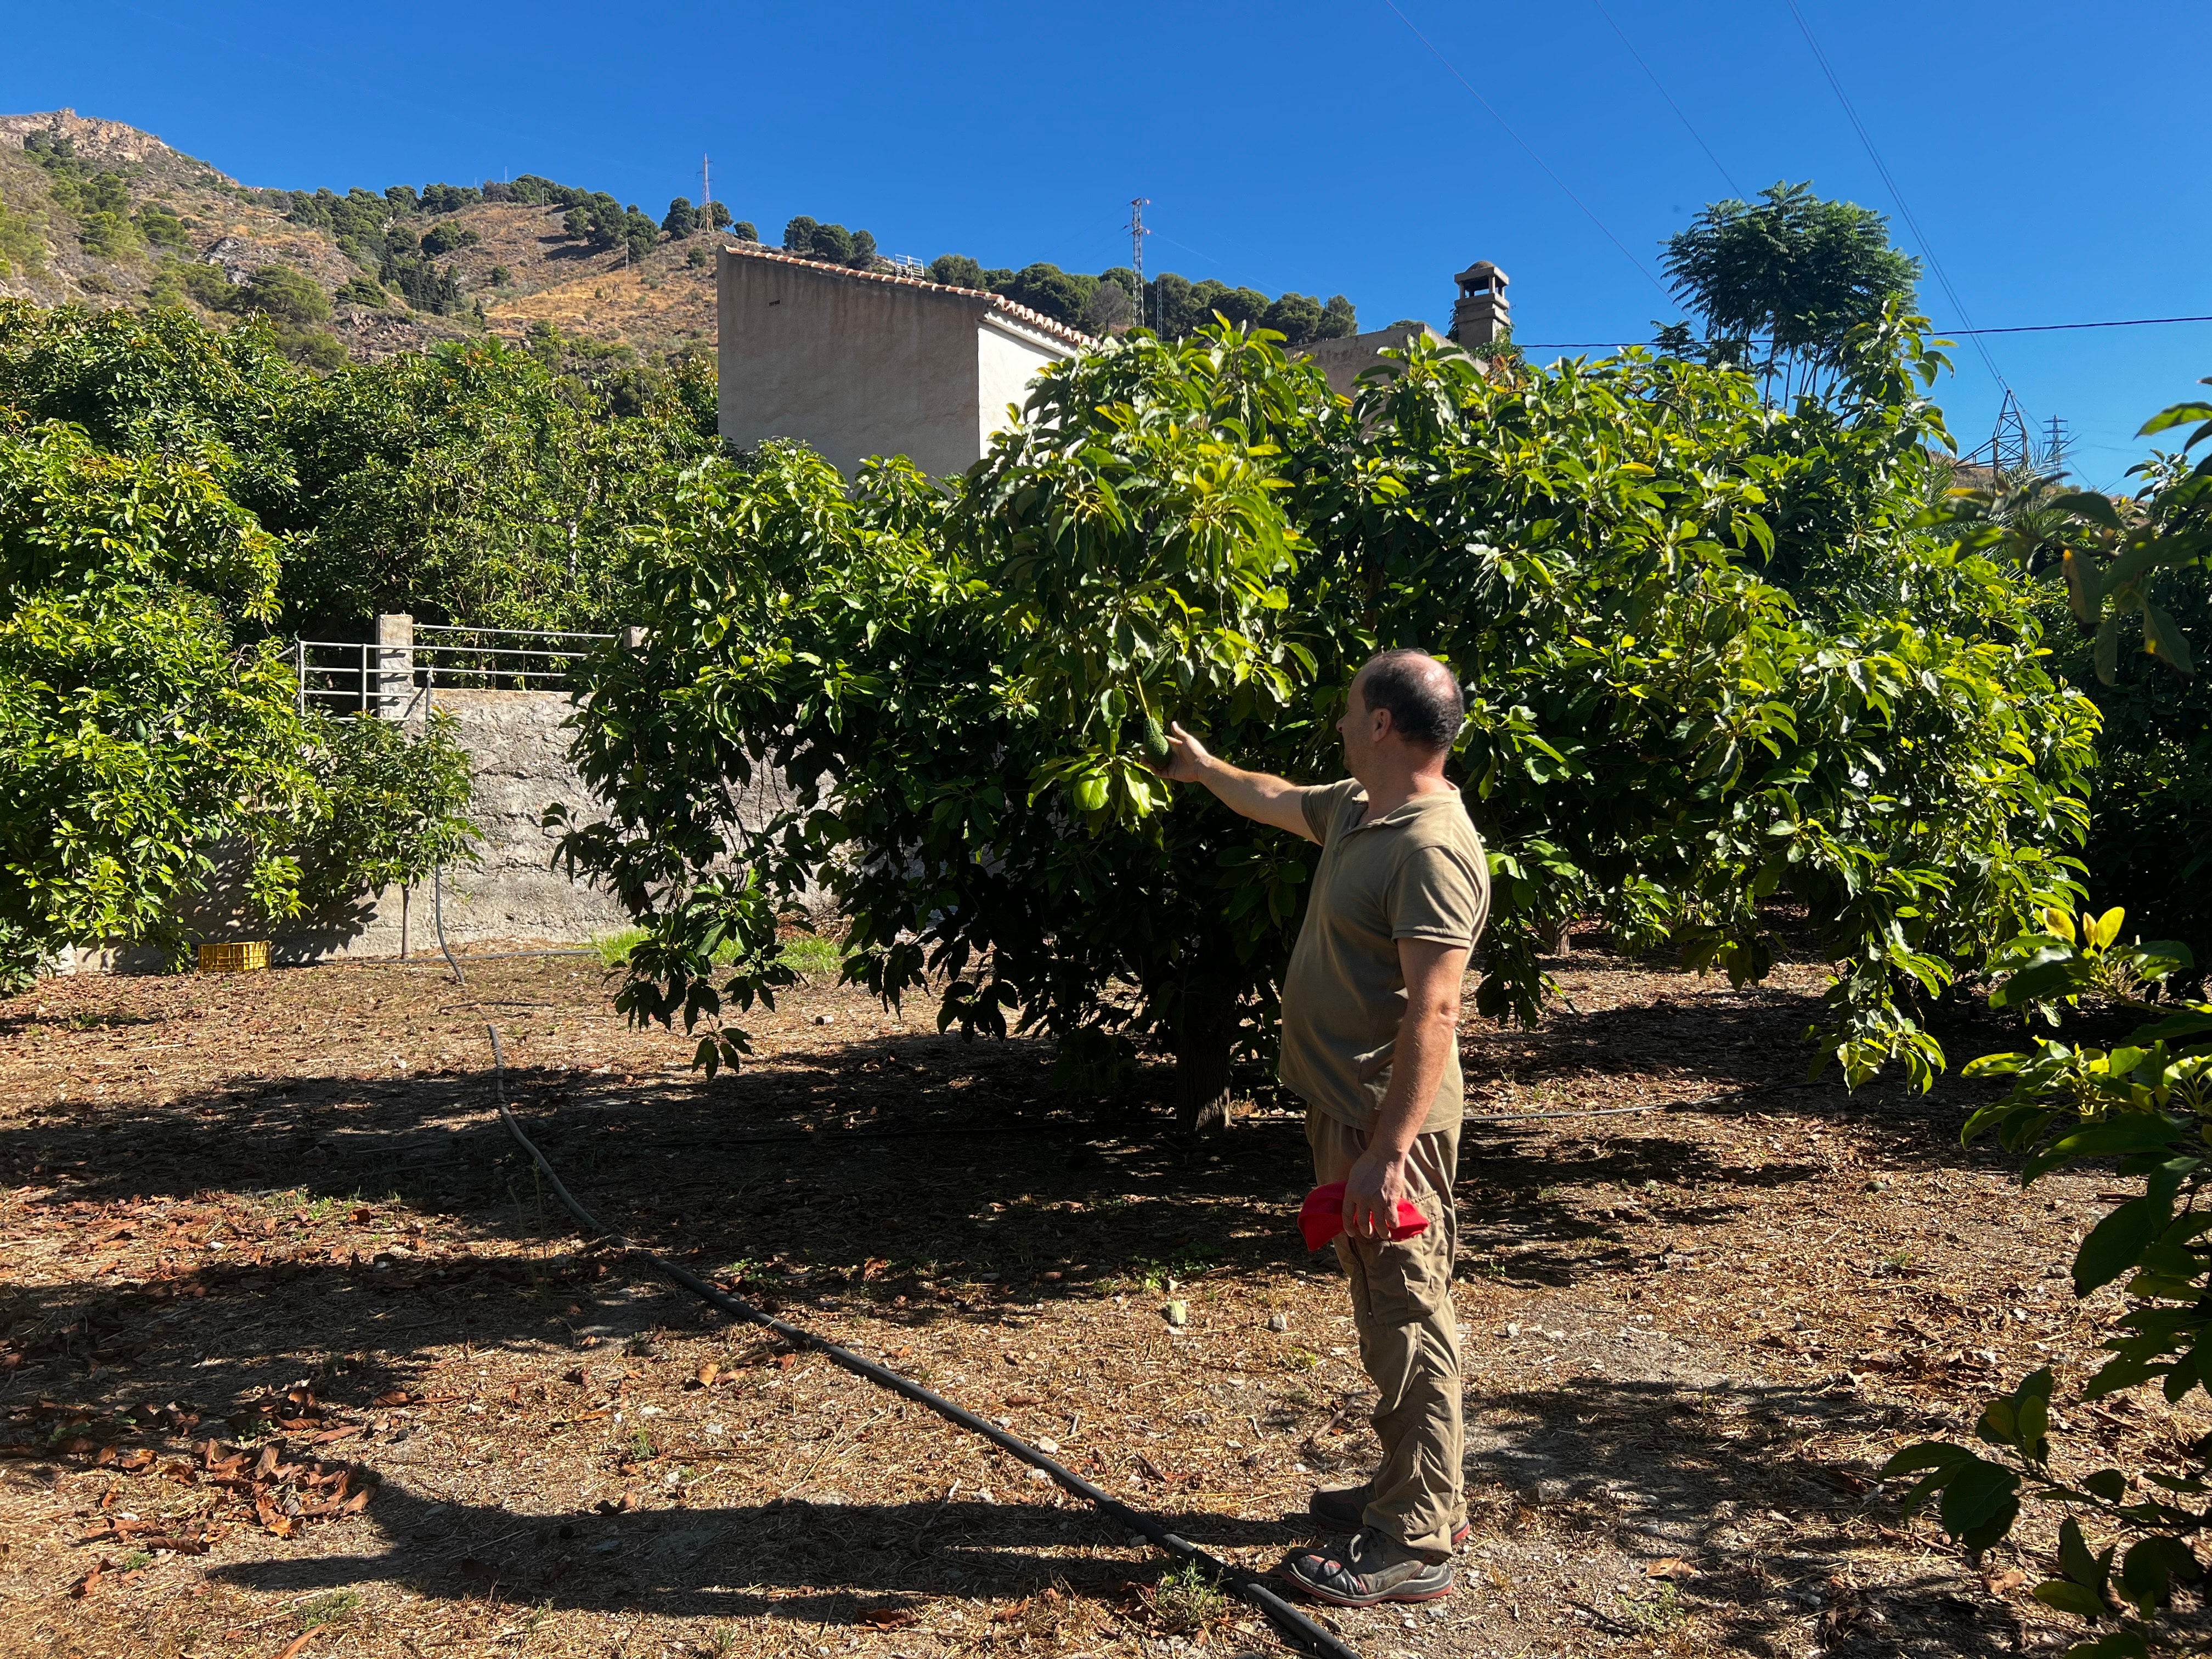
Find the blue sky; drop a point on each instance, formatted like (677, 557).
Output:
(2043, 149)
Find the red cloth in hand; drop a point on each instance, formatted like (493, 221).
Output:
(1321, 1218)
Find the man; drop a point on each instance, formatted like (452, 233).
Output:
(1370, 1014)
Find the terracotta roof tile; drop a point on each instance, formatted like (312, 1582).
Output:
(997, 302)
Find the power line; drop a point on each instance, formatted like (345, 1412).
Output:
(1904, 208)
(1524, 144)
(1946, 333)
(1669, 96)
(2053, 328)
(1185, 247)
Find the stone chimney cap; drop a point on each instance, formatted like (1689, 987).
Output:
(1482, 274)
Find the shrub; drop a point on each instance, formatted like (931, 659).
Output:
(284, 296)
(448, 238)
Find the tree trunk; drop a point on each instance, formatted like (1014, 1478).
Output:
(1204, 1035)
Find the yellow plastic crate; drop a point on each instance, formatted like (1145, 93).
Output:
(242, 959)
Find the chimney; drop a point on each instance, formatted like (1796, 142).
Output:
(1482, 312)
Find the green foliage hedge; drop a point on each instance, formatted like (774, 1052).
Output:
(140, 738)
(174, 501)
(472, 483)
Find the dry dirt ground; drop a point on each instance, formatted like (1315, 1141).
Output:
(297, 1357)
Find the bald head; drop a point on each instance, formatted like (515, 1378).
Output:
(1420, 694)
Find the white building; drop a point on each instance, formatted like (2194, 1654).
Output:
(858, 363)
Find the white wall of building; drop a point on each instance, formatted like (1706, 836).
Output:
(1005, 362)
(855, 366)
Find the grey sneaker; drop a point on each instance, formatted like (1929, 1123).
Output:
(1344, 1508)
(1368, 1570)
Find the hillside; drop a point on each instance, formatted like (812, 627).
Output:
(100, 213)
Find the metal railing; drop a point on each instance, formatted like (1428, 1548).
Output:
(387, 677)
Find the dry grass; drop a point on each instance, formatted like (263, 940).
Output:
(1691, 1335)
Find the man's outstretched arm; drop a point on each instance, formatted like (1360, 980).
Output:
(1256, 795)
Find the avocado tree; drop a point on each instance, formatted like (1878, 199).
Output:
(2120, 1069)
(956, 683)
(140, 737)
(2131, 617)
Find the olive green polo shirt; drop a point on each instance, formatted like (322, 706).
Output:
(1417, 872)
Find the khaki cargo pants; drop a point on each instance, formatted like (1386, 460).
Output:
(1402, 1307)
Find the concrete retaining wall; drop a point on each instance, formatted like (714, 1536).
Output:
(518, 753)
(512, 896)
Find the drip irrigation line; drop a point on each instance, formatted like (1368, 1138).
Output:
(1294, 1624)
(1528, 149)
(829, 1137)
(1623, 1111)
(438, 915)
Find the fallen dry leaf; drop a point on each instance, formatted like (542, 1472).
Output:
(890, 1617)
(1671, 1567)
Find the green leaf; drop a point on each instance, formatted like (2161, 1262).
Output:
(2112, 1644)
(2075, 1559)
(1926, 1455)
(2111, 1137)
(2166, 641)
(2176, 415)
(2108, 650)
(1975, 1497)
(2057, 974)
(2189, 1022)
(2116, 1244)
(2070, 1597)
(2085, 587)
(2088, 504)
(2108, 1484)
(2149, 1570)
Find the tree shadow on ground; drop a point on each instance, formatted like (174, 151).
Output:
(885, 1169)
(836, 1180)
(1718, 1478)
(1714, 1478)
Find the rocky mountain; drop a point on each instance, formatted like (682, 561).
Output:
(99, 213)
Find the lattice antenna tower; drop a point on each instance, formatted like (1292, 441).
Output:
(1137, 235)
(706, 191)
(2010, 451)
(2054, 446)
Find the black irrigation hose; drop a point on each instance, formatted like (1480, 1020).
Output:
(1294, 1624)
(438, 914)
